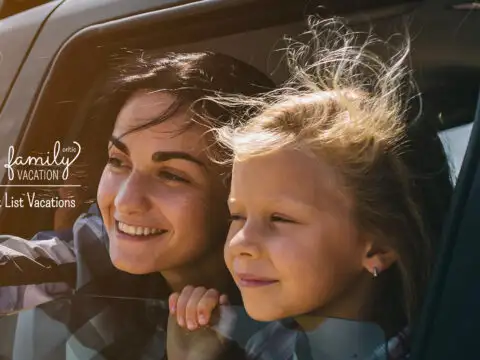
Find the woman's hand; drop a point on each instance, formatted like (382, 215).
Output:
(194, 307)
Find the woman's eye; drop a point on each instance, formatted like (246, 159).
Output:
(169, 176)
(115, 162)
(236, 217)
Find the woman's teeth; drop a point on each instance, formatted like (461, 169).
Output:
(138, 230)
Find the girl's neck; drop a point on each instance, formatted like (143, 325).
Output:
(350, 305)
(309, 322)
(364, 302)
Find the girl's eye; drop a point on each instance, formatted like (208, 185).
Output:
(278, 218)
(167, 175)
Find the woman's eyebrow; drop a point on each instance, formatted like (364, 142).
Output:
(119, 145)
(161, 156)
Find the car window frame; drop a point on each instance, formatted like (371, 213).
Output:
(21, 30)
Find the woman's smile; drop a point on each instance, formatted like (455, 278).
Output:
(142, 232)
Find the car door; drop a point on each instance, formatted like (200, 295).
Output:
(20, 30)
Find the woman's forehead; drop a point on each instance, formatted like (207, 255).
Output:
(289, 173)
(144, 106)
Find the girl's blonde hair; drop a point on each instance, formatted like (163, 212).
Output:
(349, 107)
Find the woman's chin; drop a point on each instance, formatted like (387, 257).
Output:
(131, 265)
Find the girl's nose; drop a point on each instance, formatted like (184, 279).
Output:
(247, 241)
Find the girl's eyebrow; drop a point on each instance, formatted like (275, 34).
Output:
(283, 201)
(295, 204)
(119, 145)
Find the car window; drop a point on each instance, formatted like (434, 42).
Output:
(455, 141)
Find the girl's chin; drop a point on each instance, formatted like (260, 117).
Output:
(262, 314)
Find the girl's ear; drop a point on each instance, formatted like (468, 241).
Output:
(377, 259)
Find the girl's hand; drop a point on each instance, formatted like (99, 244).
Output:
(193, 307)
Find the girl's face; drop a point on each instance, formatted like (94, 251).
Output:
(293, 246)
(162, 200)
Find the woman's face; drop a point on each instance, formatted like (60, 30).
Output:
(162, 200)
(293, 246)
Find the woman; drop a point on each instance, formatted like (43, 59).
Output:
(163, 202)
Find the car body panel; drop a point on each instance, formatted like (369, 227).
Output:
(17, 33)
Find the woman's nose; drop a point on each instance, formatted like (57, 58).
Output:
(132, 197)
(247, 241)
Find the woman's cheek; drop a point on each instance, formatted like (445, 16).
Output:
(184, 208)
(108, 188)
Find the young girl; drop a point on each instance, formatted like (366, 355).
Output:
(337, 195)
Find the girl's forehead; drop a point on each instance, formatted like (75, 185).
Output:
(285, 173)
(291, 162)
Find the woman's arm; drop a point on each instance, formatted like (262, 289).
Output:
(34, 271)
(28, 262)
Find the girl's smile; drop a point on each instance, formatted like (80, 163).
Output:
(245, 280)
